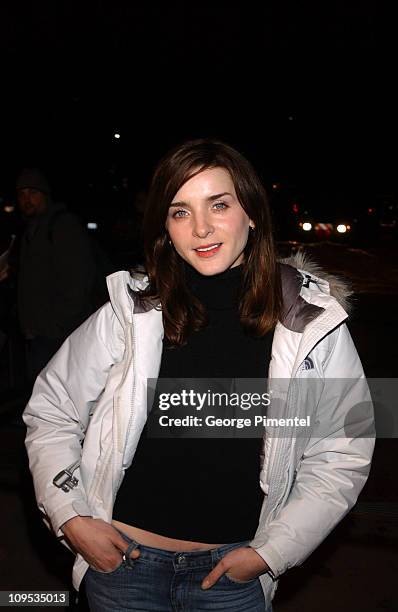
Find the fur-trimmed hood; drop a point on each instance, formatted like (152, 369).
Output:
(340, 289)
(298, 271)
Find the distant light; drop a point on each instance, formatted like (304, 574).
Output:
(307, 226)
(116, 135)
(276, 186)
(290, 118)
(295, 208)
(9, 209)
(92, 226)
(341, 228)
(371, 210)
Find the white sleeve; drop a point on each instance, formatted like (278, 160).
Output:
(58, 412)
(334, 466)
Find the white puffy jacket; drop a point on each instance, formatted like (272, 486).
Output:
(88, 409)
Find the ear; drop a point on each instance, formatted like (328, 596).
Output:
(251, 224)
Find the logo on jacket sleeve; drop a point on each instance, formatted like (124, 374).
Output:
(307, 364)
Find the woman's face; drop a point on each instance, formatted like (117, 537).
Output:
(206, 223)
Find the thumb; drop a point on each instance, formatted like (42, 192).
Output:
(134, 553)
(214, 575)
(122, 545)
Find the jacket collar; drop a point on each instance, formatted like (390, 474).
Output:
(309, 295)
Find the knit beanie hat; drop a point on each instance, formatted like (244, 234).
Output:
(32, 178)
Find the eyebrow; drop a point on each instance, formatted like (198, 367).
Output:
(208, 199)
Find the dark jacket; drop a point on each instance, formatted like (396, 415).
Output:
(56, 274)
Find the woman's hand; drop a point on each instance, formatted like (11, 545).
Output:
(98, 542)
(241, 564)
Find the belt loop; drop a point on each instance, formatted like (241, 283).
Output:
(215, 557)
(127, 560)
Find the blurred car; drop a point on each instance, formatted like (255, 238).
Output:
(323, 226)
(312, 215)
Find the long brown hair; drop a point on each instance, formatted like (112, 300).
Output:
(261, 296)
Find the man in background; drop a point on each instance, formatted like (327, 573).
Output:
(56, 271)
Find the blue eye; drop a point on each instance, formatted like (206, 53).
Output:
(216, 204)
(179, 211)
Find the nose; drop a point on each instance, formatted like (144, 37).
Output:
(23, 197)
(202, 226)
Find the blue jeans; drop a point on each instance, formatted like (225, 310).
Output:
(163, 581)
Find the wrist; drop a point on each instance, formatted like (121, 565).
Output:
(260, 563)
(75, 521)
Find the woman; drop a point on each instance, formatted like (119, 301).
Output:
(200, 524)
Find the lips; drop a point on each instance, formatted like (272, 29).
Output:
(207, 250)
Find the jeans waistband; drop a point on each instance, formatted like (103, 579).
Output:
(183, 559)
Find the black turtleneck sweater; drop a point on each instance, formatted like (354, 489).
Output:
(201, 489)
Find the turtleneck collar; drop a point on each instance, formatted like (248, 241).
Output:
(218, 291)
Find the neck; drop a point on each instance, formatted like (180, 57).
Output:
(218, 291)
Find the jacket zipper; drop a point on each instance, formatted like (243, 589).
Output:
(132, 399)
(108, 456)
(278, 458)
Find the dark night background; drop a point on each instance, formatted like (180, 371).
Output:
(307, 91)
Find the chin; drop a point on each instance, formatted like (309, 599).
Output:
(209, 268)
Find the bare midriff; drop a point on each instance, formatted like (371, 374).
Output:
(148, 538)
